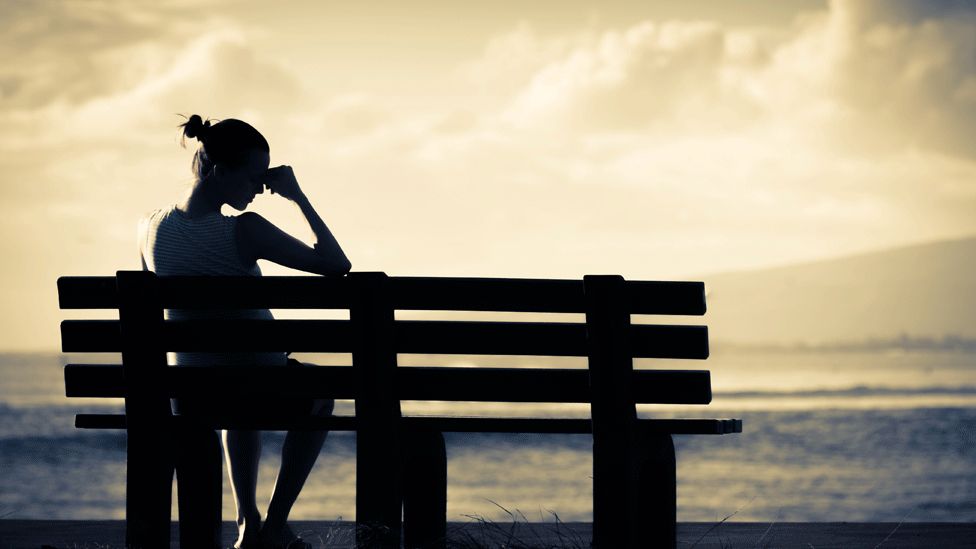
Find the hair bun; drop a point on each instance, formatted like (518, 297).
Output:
(196, 127)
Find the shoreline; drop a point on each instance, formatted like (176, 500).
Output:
(109, 534)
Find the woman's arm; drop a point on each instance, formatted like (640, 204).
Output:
(258, 238)
(141, 229)
(325, 243)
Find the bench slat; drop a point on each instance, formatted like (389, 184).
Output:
(539, 295)
(87, 292)
(413, 383)
(85, 336)
(412, 336)
(443, 424)
(408, 293)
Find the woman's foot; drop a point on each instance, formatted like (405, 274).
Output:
(248, 541)
(249, 533)
(299, 544)
(276, 535)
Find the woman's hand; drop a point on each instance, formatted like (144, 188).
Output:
(281, 180)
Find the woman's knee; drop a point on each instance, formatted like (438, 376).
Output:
(323, 407)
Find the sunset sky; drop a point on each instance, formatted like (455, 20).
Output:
(658, 140)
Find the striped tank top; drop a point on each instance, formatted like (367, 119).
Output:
(174, 244)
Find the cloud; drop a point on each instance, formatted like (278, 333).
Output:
(649, 75)
(75, 51)
(77, 74)
(103, 147)
(904, 72)
(347, 116)
(213, 74)
(844, 132)
(903, 11)
(511, 58)
(878, 75)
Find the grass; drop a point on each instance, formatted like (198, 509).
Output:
(493, 535)
(335, 536)
(727, 517)
(488, 534)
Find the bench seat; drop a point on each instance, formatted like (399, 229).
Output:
(444, 424)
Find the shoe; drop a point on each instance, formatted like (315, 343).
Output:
(298, 543)
(283, 540)
(249, 543)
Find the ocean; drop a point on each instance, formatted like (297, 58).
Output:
(827, 436)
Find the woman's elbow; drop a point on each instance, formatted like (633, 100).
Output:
(335, 268)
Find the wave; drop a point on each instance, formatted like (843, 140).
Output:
(856, 391)
(26, 444)
(56, 420)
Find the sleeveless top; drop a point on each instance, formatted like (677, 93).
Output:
(174, 244)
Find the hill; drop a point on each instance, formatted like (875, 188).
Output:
(926, 290)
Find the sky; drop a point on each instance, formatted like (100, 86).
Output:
(658, 140)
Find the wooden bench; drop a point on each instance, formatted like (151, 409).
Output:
(401, 461)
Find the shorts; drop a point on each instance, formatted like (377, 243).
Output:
(243, 407)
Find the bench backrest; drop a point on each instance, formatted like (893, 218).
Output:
(374, 338)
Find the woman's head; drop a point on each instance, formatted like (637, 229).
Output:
(232, 160)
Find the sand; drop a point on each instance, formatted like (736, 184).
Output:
(108, 534)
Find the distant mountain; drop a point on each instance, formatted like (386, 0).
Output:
(926, 290)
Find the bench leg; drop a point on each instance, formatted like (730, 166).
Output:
(379, 498)
(656, 492)
(148, 489)
(199, 474)
(634, 491)
(613, 492)
(425, 491)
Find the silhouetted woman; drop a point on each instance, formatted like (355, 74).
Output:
(193, 237)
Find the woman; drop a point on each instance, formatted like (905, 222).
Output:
(193, 237)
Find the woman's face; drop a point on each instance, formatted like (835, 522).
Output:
(241, 184)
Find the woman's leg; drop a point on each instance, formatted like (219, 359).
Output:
(298, 455)
(242, 450)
